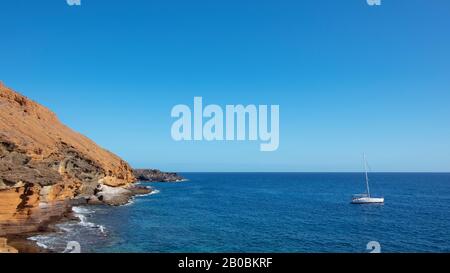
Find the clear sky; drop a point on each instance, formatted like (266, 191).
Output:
(349, 78)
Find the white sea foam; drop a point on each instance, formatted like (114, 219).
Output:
(102, 229)
(82, 210)
(84, 222)
(38, 237)
(65, 228)
(150, 193)
(81, 213)
(71, 231)
(76, 230)
(42, 245)
(42, 241)
(130, 202)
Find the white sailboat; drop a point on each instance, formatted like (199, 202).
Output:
(366, 198)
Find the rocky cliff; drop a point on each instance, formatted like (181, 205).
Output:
(44, 166)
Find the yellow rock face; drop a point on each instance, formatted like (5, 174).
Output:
(5, 248)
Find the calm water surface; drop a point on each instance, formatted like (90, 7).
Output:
(261, 212)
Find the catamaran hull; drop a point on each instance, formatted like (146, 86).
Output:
(368, 200)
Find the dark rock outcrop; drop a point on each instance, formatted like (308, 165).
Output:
(152, 175)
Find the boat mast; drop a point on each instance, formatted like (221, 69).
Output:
(367, 176)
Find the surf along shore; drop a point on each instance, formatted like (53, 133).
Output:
(46, 168)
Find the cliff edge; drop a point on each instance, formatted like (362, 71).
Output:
(44, 166)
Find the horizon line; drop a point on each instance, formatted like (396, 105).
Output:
(312, 172)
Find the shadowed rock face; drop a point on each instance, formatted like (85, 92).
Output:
(44, 165)
(152, 175)
(5, 248)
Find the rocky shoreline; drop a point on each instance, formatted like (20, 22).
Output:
(154, 175)
(46, 168)
(20, 242)
(114, 196)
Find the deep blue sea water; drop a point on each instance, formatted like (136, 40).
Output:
(271, 212)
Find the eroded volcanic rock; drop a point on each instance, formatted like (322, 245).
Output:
(152, 175)
(44, 165)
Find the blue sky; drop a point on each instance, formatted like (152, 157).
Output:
(349, 78)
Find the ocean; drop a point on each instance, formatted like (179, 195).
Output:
(269, 212)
